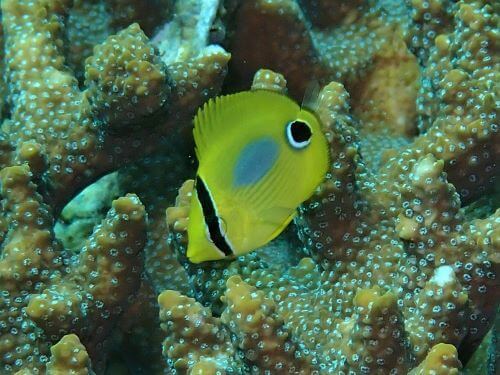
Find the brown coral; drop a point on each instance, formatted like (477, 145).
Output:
(442, 359)
(401, 252)
(260, 332)
(391, 240)
(69, 357)
(193, 335)
(195, 339)
(373, 340)
(58, 297)
(75, 147)
(125, 79)
(53, 128)
(343, 47)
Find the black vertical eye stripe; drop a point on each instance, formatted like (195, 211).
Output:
(211, 218)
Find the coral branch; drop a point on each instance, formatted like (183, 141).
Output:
(439, 314)
(194, 338)
(374, 338)
(97, 287)
(29, 255)
(69, 357)
(125, 78)
(260, 332)
(390, 267)
(441, 360)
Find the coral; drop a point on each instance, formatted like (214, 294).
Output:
(374, 338)
(384, 100)
(390, 267)
(88, 24)
(125, 12)
(69, 357)
(460, 126)
(98, 283)
(56, 296)
(442, 359)
(347, 37)
(75, 147)
(441, 300)
(91, 22)
(125, 79)
(195, 339)
(54, 142)
(259, 331)
(430, 18)
(325, 13)
(192, 333)
(31, 257)
(402, 267)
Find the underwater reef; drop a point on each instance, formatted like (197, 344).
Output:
(391, 267)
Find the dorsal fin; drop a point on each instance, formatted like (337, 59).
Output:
(217, 116)
(311, 95)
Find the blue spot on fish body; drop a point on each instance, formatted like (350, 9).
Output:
(255, 160)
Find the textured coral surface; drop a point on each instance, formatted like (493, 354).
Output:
(391, 267)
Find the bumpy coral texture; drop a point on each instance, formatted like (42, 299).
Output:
(390, 226)
(69, 357)
(56, 138)
(390, 268)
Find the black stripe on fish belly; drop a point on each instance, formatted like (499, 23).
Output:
(211, 218)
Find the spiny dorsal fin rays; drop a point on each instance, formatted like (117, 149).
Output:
(204, 123)
(204, 120)
(217, 116)
(311, 95)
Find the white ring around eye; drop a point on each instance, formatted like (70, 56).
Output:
(292, 141)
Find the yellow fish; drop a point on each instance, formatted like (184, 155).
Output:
(260, 156)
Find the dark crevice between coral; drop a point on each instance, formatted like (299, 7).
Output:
(138, 126)
(226, 19)
(483, 206)
(482, 356)
(485, 358)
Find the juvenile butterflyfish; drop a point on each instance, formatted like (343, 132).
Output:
(260, 155)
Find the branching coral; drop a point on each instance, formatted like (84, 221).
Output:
(391, 266)
(45, 294)
(55, 140)
(399, 228)
(261, 341)
(69, 357)
(338, 45)
(125, 79)
(73, 148)
(442, 359)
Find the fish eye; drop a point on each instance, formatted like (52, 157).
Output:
(298, 133)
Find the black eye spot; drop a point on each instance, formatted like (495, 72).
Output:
(298, 134)
(301, 132)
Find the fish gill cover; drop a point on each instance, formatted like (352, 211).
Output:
(390, 268)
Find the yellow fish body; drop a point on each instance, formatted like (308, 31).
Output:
(260, 156)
